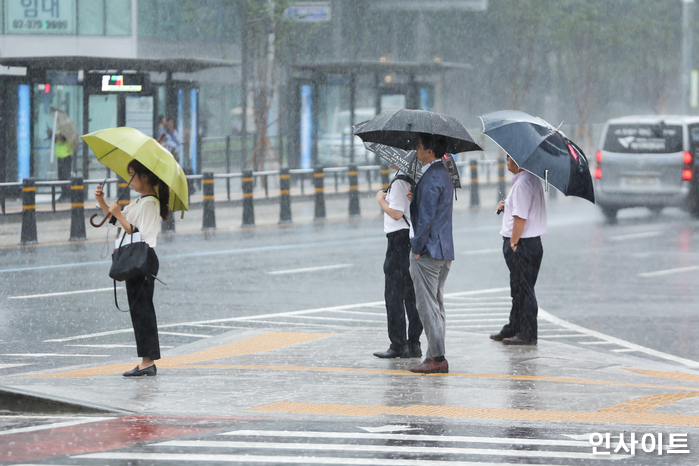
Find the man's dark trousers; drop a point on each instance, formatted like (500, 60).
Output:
(65, 166)
(524, 267)
(399, 292)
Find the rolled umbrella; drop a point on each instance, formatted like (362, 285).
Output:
(117, 147)
(402, 128)
(542, 150)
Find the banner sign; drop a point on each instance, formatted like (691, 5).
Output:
(40, 17)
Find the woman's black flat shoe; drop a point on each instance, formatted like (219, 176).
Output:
(136, 372)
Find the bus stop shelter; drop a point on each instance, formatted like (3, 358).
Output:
(93, 93)
(326, 99)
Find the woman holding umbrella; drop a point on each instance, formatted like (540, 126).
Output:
(143, 216)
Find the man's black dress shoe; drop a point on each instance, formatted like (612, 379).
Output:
(518, 341)
(136, 372)
(497, 336)
(388, 354)
(414, 351)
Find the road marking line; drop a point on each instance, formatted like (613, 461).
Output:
(596, 343)
(661, 273)
(618, 341)
(337, 318)
(563, 336)
(257, 344)
(178, 334)
(547, 416)
(409, 437)
(310, 269)
(65, 293)
(667, 375)
(8, 366)
(394, 372)
(400, 449)
(644, 403)
(43, 355)
(479, 252)
(278, 459)
(55, 425)
(647, 234)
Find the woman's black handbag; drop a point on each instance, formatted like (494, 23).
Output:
(129, 260)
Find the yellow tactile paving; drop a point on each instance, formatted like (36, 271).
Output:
(481, 413)
(644, 403)
(667, 375)
(257, 344)
(453, 374)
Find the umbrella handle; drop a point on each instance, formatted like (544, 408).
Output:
(97, 225)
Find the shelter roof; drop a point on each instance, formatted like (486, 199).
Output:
(161, 65)
(347, 67)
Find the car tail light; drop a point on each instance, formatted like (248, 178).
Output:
(598, 170)
(688, 170)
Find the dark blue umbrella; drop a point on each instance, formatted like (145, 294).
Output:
(541, 149)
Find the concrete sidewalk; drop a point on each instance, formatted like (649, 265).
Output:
(266, 372)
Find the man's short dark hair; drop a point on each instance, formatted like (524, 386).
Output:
(435, 142)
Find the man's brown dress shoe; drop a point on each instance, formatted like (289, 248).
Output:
(518, 341)
(431, 366)
(497, 336)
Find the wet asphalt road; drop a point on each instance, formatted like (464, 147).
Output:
(633, 280)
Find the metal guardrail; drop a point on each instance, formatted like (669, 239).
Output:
(298, 177)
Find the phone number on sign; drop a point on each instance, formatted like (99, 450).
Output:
(39, 24)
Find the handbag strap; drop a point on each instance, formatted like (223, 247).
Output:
(116, 302)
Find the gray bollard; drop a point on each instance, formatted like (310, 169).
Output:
(502, 190)
(77, 210)
(385, 171)
(28, 235)
(125, 197)
(475, 200)
(354, 191)
(318, 176)
(284, 196)
(209, 221)
(248, 207)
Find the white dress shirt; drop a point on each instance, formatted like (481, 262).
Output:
(526, 201)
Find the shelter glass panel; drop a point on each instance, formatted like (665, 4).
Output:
(333, 120)
(57, 110)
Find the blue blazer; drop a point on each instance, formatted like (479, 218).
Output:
(431, 212)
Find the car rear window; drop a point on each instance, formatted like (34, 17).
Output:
(644, 139)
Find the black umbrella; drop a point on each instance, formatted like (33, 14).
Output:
(401, 129)
(407, 162)
(541, 149)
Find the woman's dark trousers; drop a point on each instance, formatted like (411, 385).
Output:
(399, 292)
(524, 267)
(145, 326)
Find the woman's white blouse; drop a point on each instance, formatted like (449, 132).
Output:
(144, 214)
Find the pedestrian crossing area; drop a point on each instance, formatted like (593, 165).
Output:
(355, 448)
(478, 311)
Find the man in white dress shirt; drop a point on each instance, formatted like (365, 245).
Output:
(523, 223)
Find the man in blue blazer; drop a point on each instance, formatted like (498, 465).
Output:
(432, 247)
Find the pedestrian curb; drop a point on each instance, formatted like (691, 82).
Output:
(13, 400)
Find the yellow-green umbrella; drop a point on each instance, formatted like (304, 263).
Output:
(117, 147)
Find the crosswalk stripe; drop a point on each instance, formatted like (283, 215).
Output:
(412, 437)
(402, 449)
(238, 459)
